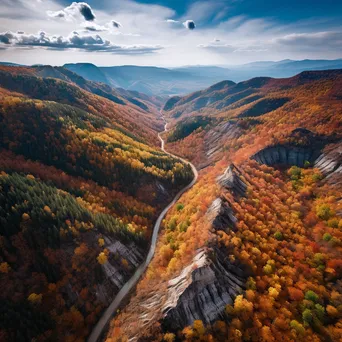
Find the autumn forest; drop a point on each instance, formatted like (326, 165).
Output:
(251, 252)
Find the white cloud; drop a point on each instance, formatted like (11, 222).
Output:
(74, 10)
(75, 40)
(220, 47)
(311, 40)
(56, 14)
(94, 27)
(253, 48)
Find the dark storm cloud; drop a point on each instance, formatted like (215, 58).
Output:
(189, 24)
(75, 40)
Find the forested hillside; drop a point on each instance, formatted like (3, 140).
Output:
(65, 87)
(250, 115)
(81, 181)
(253, 251)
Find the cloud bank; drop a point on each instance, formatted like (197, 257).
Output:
(88, 43)
(308, 42)
(240, 38)
(312, 40)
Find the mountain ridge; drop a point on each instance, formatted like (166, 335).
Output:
(225, 94)
(182, 80)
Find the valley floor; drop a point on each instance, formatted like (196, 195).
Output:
(131, 283)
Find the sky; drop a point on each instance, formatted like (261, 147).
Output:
(168, 32)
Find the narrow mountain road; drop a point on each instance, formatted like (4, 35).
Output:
(107, 315)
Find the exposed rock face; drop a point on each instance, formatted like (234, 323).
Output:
(330, 164)
(202, 293)
(303, 146)
(286, 155)
(221, 215)
(206, 285)
(211, 281)
(115, 275)
(216, 137)
(232, 181)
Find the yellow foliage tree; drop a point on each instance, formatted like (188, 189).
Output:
(102, 258)
(35, 298)
(169, 337)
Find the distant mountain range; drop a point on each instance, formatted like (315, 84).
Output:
(183, 80)
(148, 80)
(187, 79)
(250, 98)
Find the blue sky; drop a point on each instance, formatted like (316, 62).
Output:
(289, 10)
(169, 32)
(282, 10)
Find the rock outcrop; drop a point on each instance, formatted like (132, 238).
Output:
(286, 155)
(212, 280)
(321, 152)
(232, 181)
(115, 275)
(203, 290)
(330, 164)
(216, 137)
(221, 215)
(302, 146)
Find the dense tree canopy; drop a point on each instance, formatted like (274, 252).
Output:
(81, 183)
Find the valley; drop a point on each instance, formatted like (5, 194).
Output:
(224, 226)
(125, 290)
(170, 171)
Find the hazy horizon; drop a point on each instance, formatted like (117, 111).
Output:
(175, 67)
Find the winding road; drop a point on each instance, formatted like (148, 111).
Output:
(107, 315)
